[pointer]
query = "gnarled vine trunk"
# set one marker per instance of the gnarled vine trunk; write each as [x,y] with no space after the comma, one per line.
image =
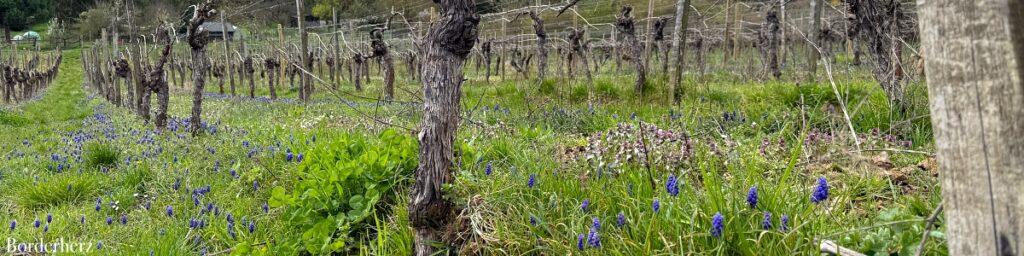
[197,41]
[445,49]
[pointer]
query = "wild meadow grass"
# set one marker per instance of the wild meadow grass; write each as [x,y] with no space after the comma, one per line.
[738,167]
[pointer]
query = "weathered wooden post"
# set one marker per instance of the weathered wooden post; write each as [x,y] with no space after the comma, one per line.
[975,75]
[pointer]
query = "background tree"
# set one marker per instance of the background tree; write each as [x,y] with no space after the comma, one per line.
[21,14]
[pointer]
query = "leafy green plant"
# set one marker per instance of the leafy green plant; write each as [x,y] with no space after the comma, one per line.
[341,183]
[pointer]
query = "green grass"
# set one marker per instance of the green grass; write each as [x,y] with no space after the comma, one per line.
[521,128]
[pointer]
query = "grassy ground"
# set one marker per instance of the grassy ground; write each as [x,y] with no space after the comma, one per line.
[530,157]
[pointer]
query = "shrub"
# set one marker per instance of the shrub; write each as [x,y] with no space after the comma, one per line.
[341,182]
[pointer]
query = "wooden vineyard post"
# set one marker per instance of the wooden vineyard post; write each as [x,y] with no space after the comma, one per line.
[227,54]
[975,76]
[306,62]
[284,59]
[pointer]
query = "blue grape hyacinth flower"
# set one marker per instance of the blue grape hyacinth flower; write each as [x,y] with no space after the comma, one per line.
[752,197]
[621,220]
[784,223]
[531,181]
[820,191]
[672,185]
[579,242]
[766,224]
[656,205]
[594,239]
[717,225]
[584,205]
[489,169]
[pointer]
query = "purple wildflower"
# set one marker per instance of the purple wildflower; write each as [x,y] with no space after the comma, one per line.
[488,169]
[596,223]
[124,219]
[593,239]
[672,185]
[99,245]
[266,208]
[585,204]
[752,197]
[784,223]
[533,221]
[110,220]
[717,224]
[531,181]
[579,242]
[252,227]
[821,191]
[766,224]
[36,223]
[14,224]
[49,218]
[656,205]
[621,220]
[170,211]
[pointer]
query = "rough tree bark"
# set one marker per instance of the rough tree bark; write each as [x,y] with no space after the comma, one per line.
[447,44]
[678,41]
[380,50]
[975,76]
[768,43]
[155,83]
[227,57]
[307,63]
[197,40]
[812,54]
[250,72]
[271,65]
[485,49]
[542,45]
[625,25]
